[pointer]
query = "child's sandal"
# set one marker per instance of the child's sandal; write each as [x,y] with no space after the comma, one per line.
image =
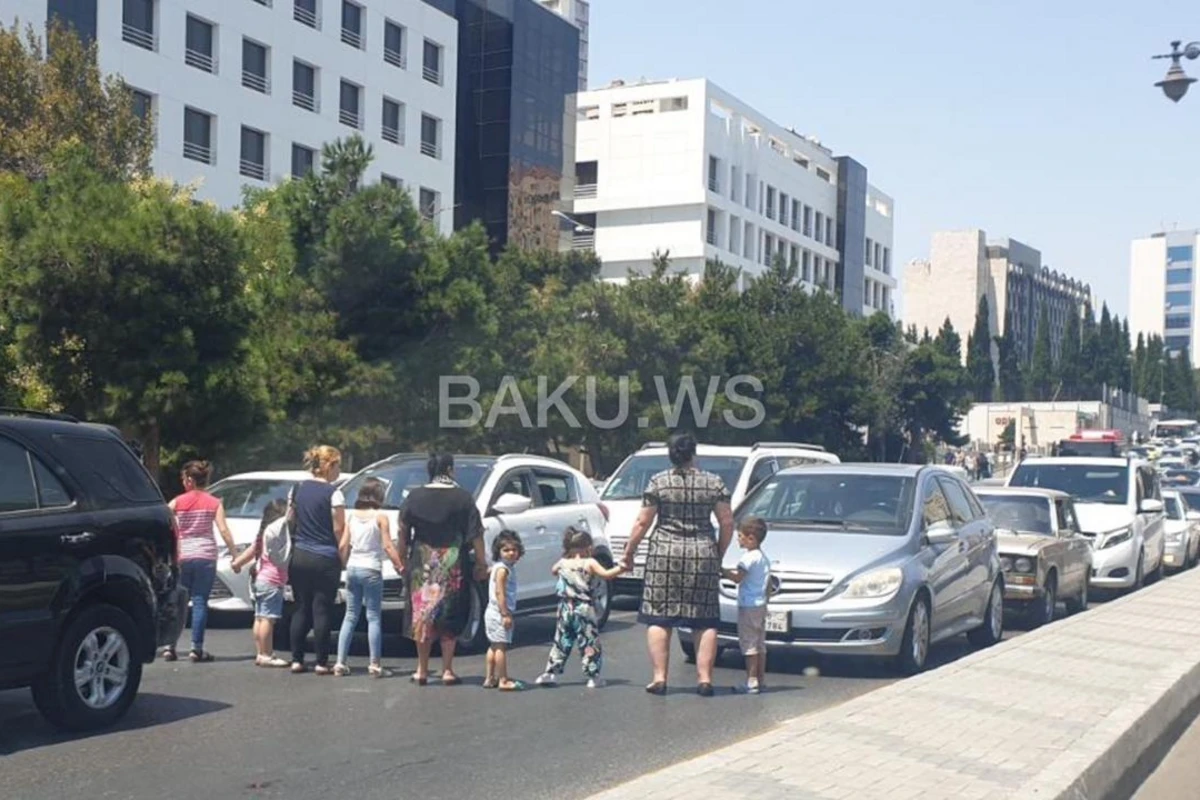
[513,686]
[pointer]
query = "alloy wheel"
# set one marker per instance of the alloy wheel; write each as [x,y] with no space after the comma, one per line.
[101,668]
[920,634]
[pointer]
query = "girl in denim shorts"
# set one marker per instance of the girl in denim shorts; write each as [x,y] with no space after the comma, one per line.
[267,580]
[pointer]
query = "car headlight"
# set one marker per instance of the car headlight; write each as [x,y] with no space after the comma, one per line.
[1116,537]
[1025,565]
[1006,563]
[1175,536]
[877,584]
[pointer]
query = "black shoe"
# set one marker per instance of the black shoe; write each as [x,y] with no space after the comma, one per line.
[658,688]
[704,690]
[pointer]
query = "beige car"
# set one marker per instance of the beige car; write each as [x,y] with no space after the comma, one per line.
[1044,555]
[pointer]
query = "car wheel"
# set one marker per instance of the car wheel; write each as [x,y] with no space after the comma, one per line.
[603,594]
[1159,571]
[1139,577]
[94,675]
[1043,612]
[1079,603]
[474,635]
[689,650]
[992,628]
[914,645]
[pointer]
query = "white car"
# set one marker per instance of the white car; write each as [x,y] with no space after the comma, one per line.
[1119,505]
[1183,532]
[536,496]
[245,497]
[741,468]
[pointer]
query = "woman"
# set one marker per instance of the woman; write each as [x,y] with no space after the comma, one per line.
[441,522]
[318,516]
[196,513]
[684,561]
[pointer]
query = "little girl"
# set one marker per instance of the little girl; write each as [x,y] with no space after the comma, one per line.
[267,580]
[507,550]
[577,572]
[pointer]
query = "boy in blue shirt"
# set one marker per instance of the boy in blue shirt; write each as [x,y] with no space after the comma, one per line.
[752,574]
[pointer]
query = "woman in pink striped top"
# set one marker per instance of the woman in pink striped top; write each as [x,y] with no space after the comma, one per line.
[197,512]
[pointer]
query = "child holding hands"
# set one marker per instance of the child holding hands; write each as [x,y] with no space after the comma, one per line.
[752,575]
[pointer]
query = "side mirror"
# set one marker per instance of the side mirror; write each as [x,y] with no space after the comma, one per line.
[510,504]
[940,533]
[1151,506]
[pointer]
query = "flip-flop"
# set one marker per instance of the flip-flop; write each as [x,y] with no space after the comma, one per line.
[419,680]
[201,657]
[490,684]
[514,686]
[658,688]
[453,680]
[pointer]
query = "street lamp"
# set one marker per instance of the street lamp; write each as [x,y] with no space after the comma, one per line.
[1175,84]
[579,226]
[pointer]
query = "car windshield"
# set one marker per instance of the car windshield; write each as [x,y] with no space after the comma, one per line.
[1100,448]
[248,498]
[1024,514]
[1087,483]
[401,477]
[1174,510]
[1184,477]
[630,480]
[878,504]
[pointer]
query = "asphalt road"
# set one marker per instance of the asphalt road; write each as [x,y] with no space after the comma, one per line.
[229,730]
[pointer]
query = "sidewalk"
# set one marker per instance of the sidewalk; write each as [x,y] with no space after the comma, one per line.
[1063,711]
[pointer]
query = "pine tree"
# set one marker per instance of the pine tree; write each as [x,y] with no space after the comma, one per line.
[1041,367]
[1010,376]
[980,372]
[1139,367]
[1089,354]
[1068,371]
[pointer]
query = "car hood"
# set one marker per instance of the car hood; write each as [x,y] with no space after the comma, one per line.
[1175,525]
[1020,544]
[838,554]
[1102,517]
[244,530]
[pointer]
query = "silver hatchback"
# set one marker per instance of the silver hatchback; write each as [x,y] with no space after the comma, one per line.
[880,560]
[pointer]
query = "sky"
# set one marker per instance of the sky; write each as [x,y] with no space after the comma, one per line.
[1038,121]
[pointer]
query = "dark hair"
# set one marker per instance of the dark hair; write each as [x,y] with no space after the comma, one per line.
[371,494]
[507,537]
[439,464]
[754,526]
[274,510]
[681,448]
[199,472]
[575,539]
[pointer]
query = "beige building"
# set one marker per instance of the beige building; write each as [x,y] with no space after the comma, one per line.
[963,266]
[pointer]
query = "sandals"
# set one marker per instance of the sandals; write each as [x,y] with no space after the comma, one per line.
[321,669]
[200,657]
[269,661]
[491,683]
[704,689]
[378,671]
[452,680]
[419,680]
[168,654]
[298,668]
[339,670]
[658,688]
[513,686]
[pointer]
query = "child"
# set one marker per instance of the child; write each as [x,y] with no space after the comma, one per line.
[507,550]
[577,572]
[752,575]
[266,585]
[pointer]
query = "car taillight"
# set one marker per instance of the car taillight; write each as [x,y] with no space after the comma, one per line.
[603,510]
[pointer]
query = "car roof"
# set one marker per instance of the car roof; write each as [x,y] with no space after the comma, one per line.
[269,475]
[858,468]
[1020,491]
[745,451]
[1089,461]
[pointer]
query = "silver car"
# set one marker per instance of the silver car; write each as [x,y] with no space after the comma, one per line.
[1183,532]
[879,560]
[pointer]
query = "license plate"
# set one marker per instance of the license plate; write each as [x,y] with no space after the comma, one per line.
[1169,559]
[638,572]
[778,622]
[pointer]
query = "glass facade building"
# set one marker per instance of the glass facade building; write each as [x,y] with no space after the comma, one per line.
[77,14]
[851,232]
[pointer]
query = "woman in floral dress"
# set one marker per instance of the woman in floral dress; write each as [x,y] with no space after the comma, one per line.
[439,523]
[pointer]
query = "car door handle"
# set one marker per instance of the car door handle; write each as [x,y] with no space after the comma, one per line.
[77,538]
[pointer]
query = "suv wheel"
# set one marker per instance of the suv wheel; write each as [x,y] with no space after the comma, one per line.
[94,675]
[689,650]
[992,628]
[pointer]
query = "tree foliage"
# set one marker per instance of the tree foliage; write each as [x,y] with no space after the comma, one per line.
[982,374]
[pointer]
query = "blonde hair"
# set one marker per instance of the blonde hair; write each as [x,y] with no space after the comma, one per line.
[319,459]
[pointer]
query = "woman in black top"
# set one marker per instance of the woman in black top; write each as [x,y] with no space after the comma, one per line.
[683,566]
[441,521]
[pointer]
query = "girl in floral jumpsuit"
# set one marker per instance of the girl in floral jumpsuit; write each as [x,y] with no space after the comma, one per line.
[577,572]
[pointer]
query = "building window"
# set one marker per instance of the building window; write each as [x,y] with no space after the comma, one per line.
[735,235]
[785,204]
[254,67]
[1179,299]
[388,180]
[393,44]
[254,154]
[432,64]
[428,202]
[770,202]
[820,225]
[305,12]
[198,51]
[751,190]
[1179,253]
[823,175]
[1177,343]
[352,24]
[748,241]
[673,104]
[868,252]
[137,23]
[393,121]
[710,233]
[806,266]
[768,249]
[867,297]
[304,86]
[431,136]
[714,182]
[800,160]
[829,239]
[350,105]
[887,261]
[587,179]
[808,214]
[794,257]
[878,256]
[885,301]
[734,183]
[1179,275]
[143,104]
[1178,321]
[796,215]
[197,136]
[303,160]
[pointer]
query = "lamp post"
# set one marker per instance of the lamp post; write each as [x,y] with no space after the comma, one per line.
[579,226]
[1175,84]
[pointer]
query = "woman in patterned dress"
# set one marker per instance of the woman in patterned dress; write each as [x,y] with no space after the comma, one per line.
[684,561]
[442,522]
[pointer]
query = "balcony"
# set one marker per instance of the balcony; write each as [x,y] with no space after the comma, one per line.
[138,37]
[432,74]
[393,135]
[348,117]
[584,241]
[395,58]
[431,149]
[253,169]
[197,152]
[305,17]
[304,100]
[352,38]
[585,191]
[256,82]
[199,60]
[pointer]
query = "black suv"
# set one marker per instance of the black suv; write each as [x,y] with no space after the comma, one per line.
[89,574]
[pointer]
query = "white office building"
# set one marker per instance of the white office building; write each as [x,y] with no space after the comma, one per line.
[1163,287]
[575,11]
[245,92]
[685,168]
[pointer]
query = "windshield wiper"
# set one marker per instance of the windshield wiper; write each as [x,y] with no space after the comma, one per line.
[830,523]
